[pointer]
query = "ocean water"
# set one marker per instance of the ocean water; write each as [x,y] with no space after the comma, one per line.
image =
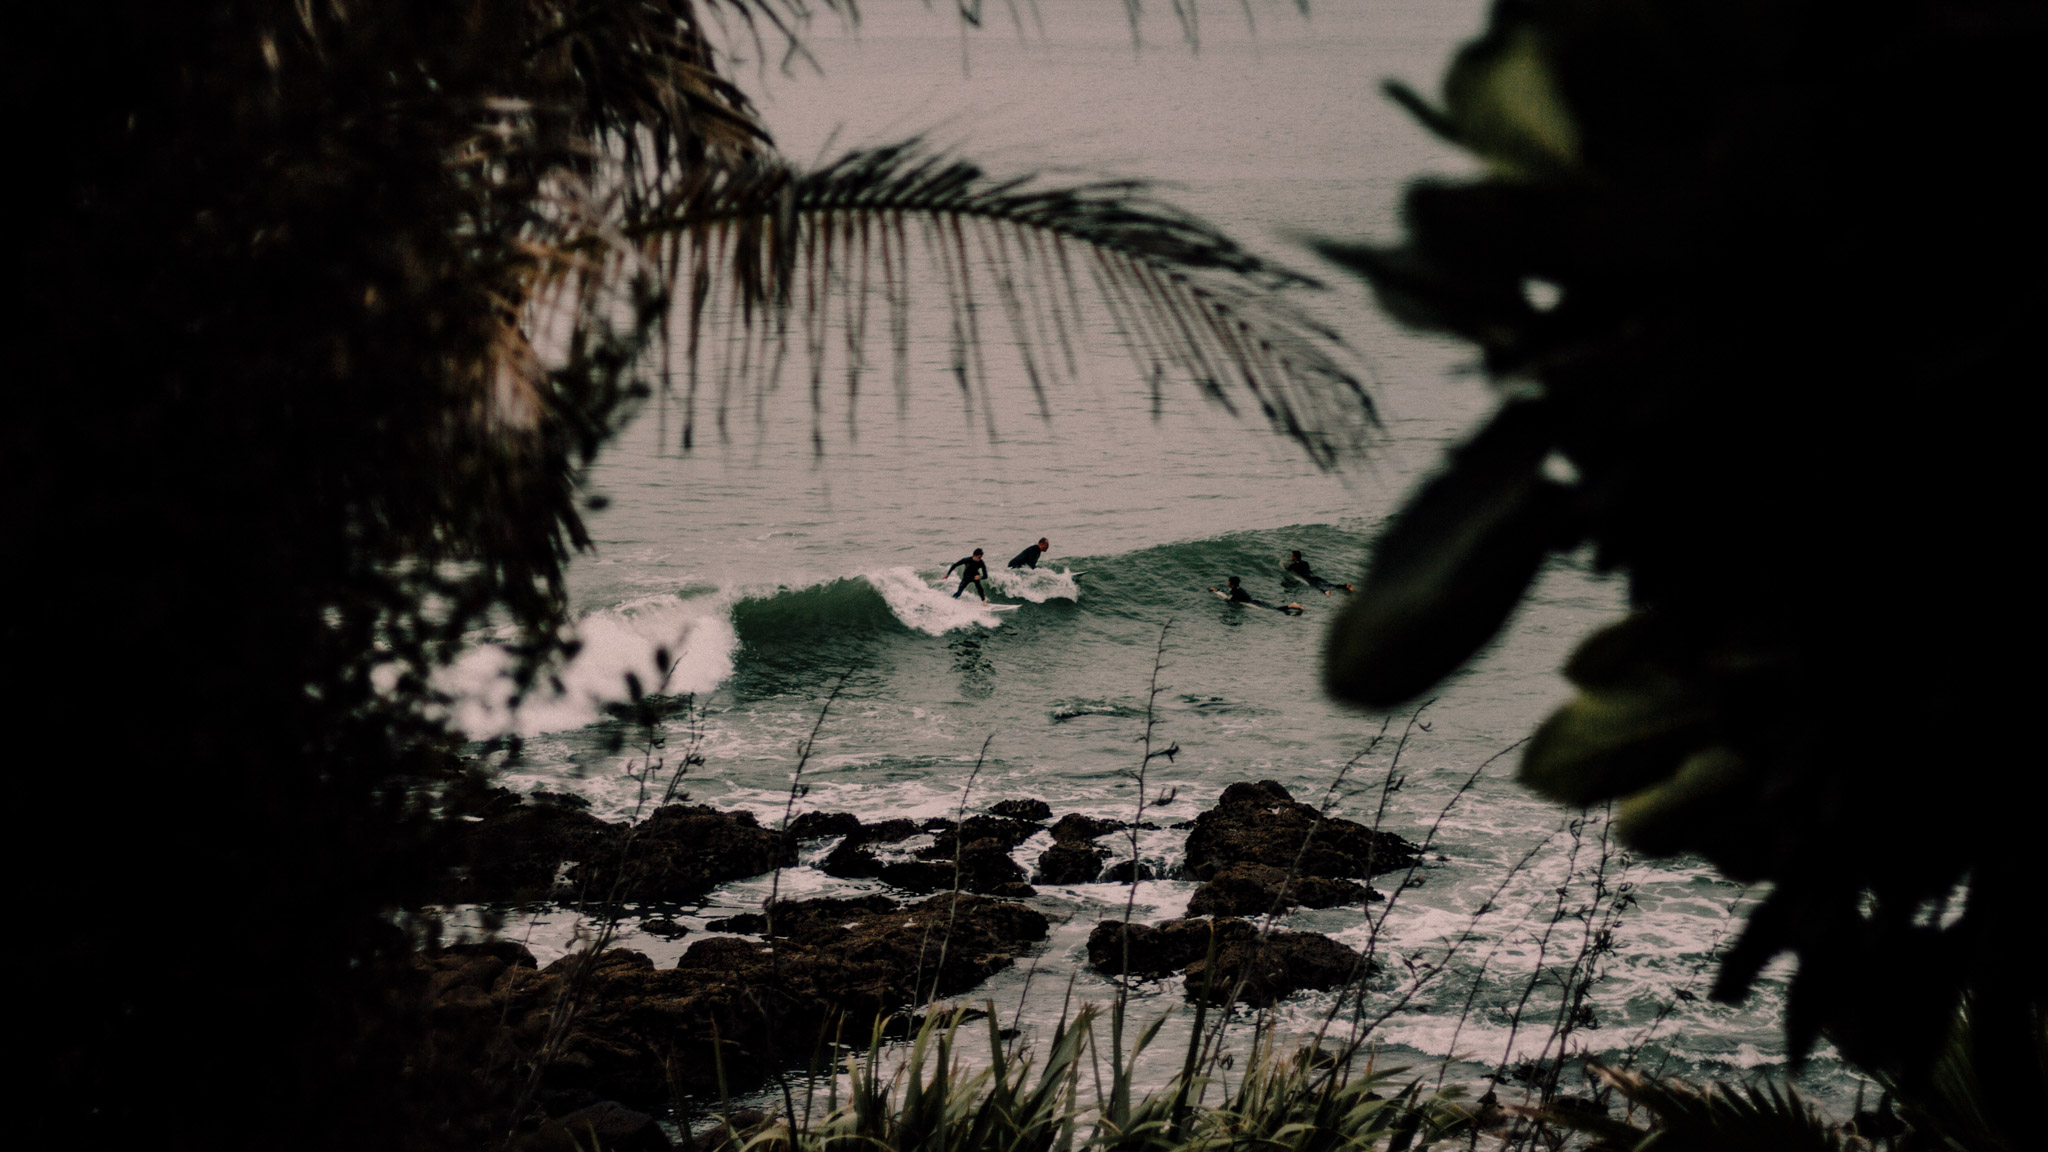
[776,575]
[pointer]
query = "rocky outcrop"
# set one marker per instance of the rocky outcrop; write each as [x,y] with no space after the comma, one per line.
[638,1033]
[1258,889]
[819,825]
[984,866]
[679,853]
[1033,811]
[1255,968]
[554,851]
[1071,862]
[851,859]
[975,829]
[1262,824]
[1074,826]
[795,916]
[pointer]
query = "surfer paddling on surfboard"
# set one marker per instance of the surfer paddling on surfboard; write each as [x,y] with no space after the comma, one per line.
[972,569]
[1028,558]
[1298,568]
[1237,595]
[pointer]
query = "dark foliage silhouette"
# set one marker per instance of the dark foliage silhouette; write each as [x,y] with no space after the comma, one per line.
[1758,283]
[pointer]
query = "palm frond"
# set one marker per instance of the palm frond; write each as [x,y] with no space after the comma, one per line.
[784,259]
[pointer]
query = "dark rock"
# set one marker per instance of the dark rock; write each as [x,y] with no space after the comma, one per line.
[683,851]
[1074,826]
[1035,811]
[517,853]
[1120,872]
[615,1128]
[471,792]
[1014,890]
[891,831]
[1009,833]
[818,825]
[1261,824]
[1257,889]
[1260,969]
[985,865]
[1071,862]
[851,861]
[561,799]
[677,854]
[640,1028]
[798,918]
[664,927]
[510,951]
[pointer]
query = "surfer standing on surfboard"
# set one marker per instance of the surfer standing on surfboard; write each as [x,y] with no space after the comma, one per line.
[1237,595]
[972,569]
[1028,558]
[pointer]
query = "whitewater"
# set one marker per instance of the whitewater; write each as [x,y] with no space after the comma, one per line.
[754,579]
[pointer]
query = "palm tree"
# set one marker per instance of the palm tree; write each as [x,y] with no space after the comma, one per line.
[322,307]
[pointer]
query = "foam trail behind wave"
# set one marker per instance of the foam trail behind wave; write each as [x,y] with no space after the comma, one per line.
[695,630]
[1035,584]
[930,610]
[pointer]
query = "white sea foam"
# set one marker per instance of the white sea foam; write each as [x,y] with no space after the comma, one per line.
[930,610]
[1035,584]
[695,631]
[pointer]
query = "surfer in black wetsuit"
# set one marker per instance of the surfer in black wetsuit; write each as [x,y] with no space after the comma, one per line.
[1237,595]
[972,569]
[1028,558]
[1298,568]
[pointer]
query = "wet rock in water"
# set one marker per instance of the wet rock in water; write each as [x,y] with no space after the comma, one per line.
[606,1124]
[1071,862]
[1009,833]
[682,851]
[1120,872]
[640,1030]
[985,866]
[1256,889]
[888,831]
[518,853]
[818,825]
[1032,811]
[1258,969]
[1074,826]
[793,917]
[1262,824]
[560,799]
[851,861]
[663,927]
[677,854]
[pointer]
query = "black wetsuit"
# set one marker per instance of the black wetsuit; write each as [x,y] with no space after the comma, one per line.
[1299,569]
[1238,595]
[972,569]
[1028,558]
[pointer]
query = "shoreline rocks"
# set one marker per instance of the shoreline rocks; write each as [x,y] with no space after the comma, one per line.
[1258,835]
[1271,966]
[639,1034]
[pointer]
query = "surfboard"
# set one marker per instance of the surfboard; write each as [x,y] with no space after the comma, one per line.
[1004,607]
[1284,609]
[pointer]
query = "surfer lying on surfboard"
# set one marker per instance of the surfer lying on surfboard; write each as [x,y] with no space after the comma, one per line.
[1298,568]
[1237,595]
